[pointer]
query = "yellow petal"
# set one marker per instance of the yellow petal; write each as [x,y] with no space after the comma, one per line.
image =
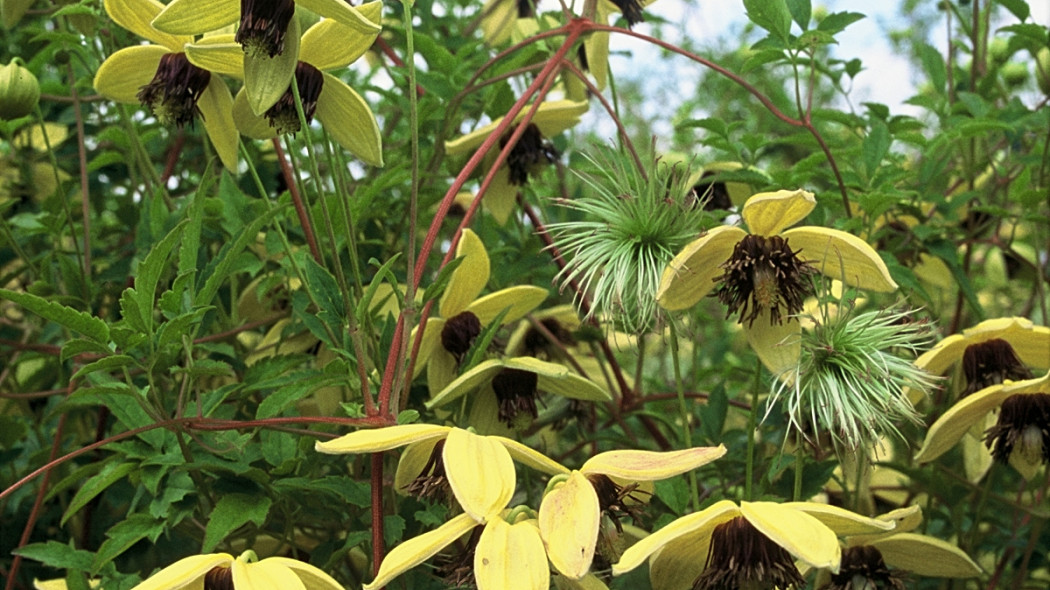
[469,278]
[778,346]
[431,341]
[311,577]
[226,58]
[551,118]
[416,550]
[691,274]
[441,370]
[1030,342]
[511,557]
[191,17]
[977,459]
[588,582]
[264,575]
[680,563]
[574,386]
[800,534]
[633,465]
[411,464]
[348,119]
[330,44]
[706,519]
[954,423]
[480,471]
[768,214]
[497,20]
[597,47]
[467,382]
[841,256]
[125,72]
[842,521]
[216,106]
[568,520]
[344,13]
[381,439]
[135,16]
[926,556]
[484,414]
[266,79]
[500,199]
[518,301]
[531,458]
[185,571]
[248,123]
[12,11]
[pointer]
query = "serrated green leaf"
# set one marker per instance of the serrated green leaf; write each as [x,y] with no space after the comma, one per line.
[801,11]
[123,535]
[1018,8]
[191,236]
[436,288]
[80,346]
[109,363]
[230,513]
[57,555]
[149,271]
[383,274]
[876,146]
[77,321]
[771,15]
[407,417]
[323,287]
[761,58]
[131,312]
[223,263]
[302,386]
[933,65]
[836,22]
[174,329]
[110,474]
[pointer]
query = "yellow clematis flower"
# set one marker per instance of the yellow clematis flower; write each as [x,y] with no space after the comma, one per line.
[1020,436]
[570,517]
[764,273]
[531,151]
[868,558]
[511,384]
[327,45]
[221,570]
[461,314]
[268,33]
[478,470]
[730,545]
[160,77]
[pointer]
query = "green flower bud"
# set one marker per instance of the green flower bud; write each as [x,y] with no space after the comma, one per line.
[19,90]
[1042,69]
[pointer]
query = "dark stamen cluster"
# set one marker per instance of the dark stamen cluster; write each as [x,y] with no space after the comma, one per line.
[713,195]
[1023,419]
[632,11]
[862,568]
[459,333]
[530,151]
[264,24]
[612,499]
[990,363]
[527,8]
[282,115]
[173,93]
[764,274]
[516,394]
[431,483]
[742,557]
[219,578]
[457,569]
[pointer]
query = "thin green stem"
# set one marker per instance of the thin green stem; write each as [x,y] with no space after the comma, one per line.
[752,426]
[683,410]
[796,494]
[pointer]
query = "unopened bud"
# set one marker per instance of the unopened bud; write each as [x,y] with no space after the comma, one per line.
[1042,70]
[19,90]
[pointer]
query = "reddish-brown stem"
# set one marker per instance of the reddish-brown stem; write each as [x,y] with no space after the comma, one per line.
[297,200]
[173,156]
[34,513]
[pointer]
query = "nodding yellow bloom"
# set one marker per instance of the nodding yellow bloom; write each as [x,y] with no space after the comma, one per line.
[268,34]
[731,546]
[571,514]
[507,550]
[1020,435]
[531,152]
[871,557]
[325,46]
[221,570]
[160,77]
[764,274]
[462,314]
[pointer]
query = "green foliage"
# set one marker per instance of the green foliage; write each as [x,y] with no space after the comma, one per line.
[176,333]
